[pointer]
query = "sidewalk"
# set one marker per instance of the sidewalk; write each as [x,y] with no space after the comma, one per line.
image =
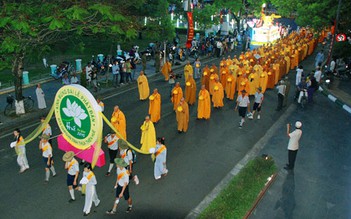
[50,86]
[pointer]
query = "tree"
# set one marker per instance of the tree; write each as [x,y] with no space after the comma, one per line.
[34,26]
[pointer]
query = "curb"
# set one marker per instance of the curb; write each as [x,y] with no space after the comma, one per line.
[255,150]
[35,82]
[334,99]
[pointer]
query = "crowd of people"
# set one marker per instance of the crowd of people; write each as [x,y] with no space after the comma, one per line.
[249,74]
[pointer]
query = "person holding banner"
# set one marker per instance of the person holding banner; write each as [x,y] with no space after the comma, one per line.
[46,149]
[112,143]
[160,154]
[20,148]
[72,167]
[89,180]
[121,186]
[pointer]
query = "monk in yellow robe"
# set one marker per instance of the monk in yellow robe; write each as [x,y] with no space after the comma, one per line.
[118,120]
[166,69]
[188,69]
[205,80]
[218,95]
[213,78]
[263,81]
[230,86]
[253,82]
[244,84]
[155,106]
[287,59]
[223,75]
[190,90]
[215,69]
[204,104]
[177,94]
[143,86]
[148,135]
[182,116]
[271,78]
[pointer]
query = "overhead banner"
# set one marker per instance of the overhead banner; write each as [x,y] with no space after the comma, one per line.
[191,31]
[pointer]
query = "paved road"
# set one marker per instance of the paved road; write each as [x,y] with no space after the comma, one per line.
[197,161]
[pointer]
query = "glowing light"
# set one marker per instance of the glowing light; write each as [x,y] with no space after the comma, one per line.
[172,16]
[145,20]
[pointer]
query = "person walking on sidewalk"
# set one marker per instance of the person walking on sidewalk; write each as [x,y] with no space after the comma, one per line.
[89,180]
[48,159]
[20,148]
[112,143]
[243,103]
[121,186]
[72,167]
[40,97]
[293,145]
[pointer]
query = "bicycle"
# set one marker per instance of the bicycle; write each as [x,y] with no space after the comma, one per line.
[10,108]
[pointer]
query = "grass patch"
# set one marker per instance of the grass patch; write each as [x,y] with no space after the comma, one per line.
[238,197]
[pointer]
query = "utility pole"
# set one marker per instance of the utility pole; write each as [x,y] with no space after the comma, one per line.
[331,51]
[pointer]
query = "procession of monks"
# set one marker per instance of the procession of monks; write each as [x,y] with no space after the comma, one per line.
[260,68]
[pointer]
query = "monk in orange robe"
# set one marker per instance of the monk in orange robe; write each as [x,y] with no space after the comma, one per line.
[182,116]
[155,106]
[177,94]
[205,80]
[263,81]
[218,95]
[188,69]
[166,69]
[230,86]
[204,104]
[213,78]
[253,82]
[143,86]
[223,75]
[190,90]
[118,120]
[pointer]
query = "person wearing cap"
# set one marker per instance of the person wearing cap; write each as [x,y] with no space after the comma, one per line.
[72,167]
[258,103]
[48,159]
[155,106]
[182,116]
[148,134]
[118,121]
[89,180]
[121,186]
[204,104]
[143,86]
[281,92]
[177,94]
[190,90]
[242,105]
[217,95]
[160,155]
[293,145]
[127,155]
[112,143]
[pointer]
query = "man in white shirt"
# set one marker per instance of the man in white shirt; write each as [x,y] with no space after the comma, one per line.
[293,146]
[243,102]
[299,72]
[72,167]
[112,143]
[318,74]
[281,93]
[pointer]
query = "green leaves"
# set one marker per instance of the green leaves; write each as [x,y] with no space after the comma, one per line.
[56,24]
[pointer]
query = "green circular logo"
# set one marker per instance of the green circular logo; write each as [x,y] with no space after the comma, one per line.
[77,116]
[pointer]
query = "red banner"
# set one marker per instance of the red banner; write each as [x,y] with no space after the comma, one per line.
[191,32]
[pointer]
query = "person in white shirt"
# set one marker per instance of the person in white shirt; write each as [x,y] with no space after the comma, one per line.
[48,159]
[332,66]
[318,74]
[281,93]
[72,167]
[159,153]
[243,103]
[258,103]
[74,79]
[20,148]
[299,72]
[293,145]
[121,186]
[112,143]
[89,180]
[127,155]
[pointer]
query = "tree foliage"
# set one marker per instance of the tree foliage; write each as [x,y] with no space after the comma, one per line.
[28,27]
